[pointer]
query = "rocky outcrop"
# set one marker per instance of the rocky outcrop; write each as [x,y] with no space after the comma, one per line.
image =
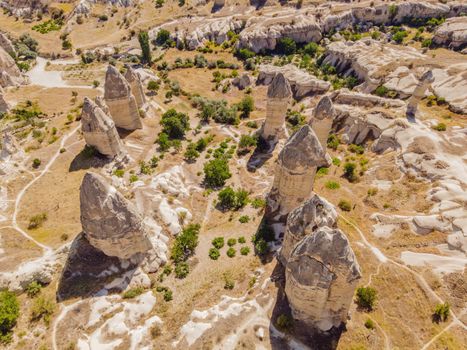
[278,97]
[242,82]
[316,212]
[452,33]
[263,33]
[10,153]
[6,45]
[136,87]
[295,172]
[10,75]
[451,84]
[24,8]
[320,279]
[4,106]
[110,222]
[99,130]
[322,120]
[302,83]
[122,104]
[419,92]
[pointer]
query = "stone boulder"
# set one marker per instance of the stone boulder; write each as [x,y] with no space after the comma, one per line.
[122,103]
[321,276]
[316,212]
[452,33]
[295,172]
[99,130]
[302,83]
[111,223]
[242,82]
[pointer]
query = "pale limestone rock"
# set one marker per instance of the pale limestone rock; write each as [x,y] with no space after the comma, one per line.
[322,119]
[99,130]
[4,105]
[451,84]
[278,97]
[262,33]
[321,276]
[419,92]
[122,104]
[10,147]
[295,172]
[452,33]
[110,222]
[10,75]
[136,87]
[315,212]
[302,83]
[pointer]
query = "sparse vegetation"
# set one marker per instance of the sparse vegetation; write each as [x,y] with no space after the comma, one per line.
[231,252]
[214,253]
[366,297]
[218,242]
[37,220]
[441,312]
[332,185]
[42,308]
[244,250]
[345,205]
[33,289]
[133,293]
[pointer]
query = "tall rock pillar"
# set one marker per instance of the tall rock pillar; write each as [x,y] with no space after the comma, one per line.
[122,104]
[322,119]
[279,93]
[295,173]
[136,87]
[419,92]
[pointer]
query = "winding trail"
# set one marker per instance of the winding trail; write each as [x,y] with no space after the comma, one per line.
[19,197]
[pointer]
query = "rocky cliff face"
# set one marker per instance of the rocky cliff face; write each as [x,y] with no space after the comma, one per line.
[99,130]
[295,172]
[10,75]
[279,94]
[110,222]
[321,276]
[452,33]
[6,44]
[122,104]
[136,87]
[301,82]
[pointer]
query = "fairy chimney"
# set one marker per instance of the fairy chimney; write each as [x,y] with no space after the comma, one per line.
[136,87]
[322,119]
[419,92]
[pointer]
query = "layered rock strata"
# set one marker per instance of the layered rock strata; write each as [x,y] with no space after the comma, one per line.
[278,97]
[320,279]
[301,82]
[99,130]
[419,92]
[110,222]
[295,172]
[322,119]
[122,103]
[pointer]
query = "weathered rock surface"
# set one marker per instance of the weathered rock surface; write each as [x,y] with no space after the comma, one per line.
[452,33]
[419,92]
[263,33]
[302,83]
[122,104]
[321,276]
[451,84]
[279,94]
[322,120]
[110,222]
[136,87]
[242,82]
[99,130]
[315,212]
[4,105]
[6,44]
[295,172]
[10,75]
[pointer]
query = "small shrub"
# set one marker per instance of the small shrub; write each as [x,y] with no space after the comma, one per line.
[216,172]
[181,270]
[133,293]
[322,171]
[168,295]
[119,172]
[33,289]
[231,242]
[349,171]
[241,240]
[440,127]
[244,219]
[36,163]
[258,203]
[36,221]
[332,185]
[358,149]
[336,161]
[214,253]
[42,309]
[245,251]
[218,242]
[369,324]
[366,297]
[185,243]
[333,141]
[231,252]
[441,312]
[9,313]
[344,205]
[284,322]
[229,283]
[133,178]
[372,191]
[381,91]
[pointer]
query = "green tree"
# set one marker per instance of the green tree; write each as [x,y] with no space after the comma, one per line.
[311,49]
[174,124]
[441,312]
[246,106]
[9,313]
[185,243]
[163,38]
[216,172]
[366,297]
[191,153]
[227,198]
[349,171]
[286,46]
[143,39]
